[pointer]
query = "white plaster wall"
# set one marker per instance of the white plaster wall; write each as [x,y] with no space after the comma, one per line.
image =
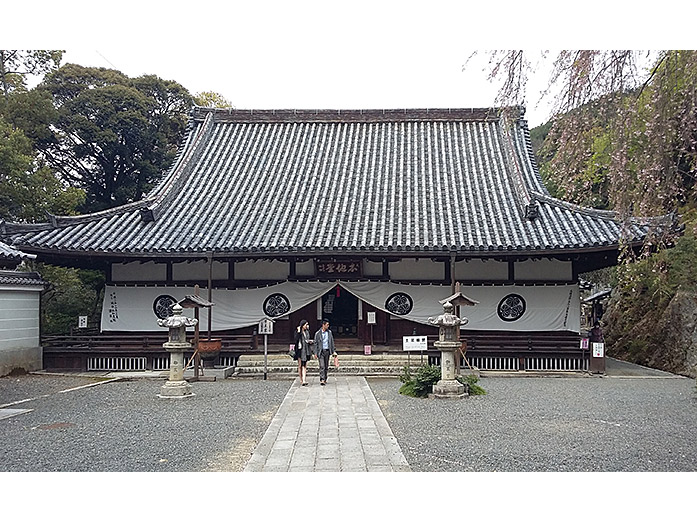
[136,271]
[411,269]
[19,330]
[198,270]
[371,268]
[543,269]
[481,270]
[19,319]
[261,270]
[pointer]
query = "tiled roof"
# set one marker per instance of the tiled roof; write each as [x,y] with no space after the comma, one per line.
[8,253]
[20,278]
[318,182]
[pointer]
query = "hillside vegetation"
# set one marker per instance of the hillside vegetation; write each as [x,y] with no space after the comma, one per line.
[635,152]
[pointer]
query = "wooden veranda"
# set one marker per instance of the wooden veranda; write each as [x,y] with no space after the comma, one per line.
[486,350]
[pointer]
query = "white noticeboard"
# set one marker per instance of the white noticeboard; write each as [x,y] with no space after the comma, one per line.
[266,326]
[371,318]
[82,322]
[414,343]
[598,349]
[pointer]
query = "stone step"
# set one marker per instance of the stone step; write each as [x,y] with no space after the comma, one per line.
[374,364]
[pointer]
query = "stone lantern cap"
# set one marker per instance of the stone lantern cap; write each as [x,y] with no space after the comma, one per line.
[458,298]
[177,320]
[191,301]
[447,319]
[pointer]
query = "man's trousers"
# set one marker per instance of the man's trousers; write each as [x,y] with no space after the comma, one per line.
[323,364]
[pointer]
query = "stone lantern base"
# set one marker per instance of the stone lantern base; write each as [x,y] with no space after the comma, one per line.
[449,389]
[176,386]
[448,386]
[175,389]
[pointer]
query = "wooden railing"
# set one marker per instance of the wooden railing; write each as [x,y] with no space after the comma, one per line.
[501,348]
[137,341]
[71,352]
[521,351]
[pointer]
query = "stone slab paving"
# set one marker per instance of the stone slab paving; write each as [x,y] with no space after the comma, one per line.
[334,428]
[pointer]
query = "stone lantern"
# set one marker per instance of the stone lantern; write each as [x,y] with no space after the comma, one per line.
[448,342]
[176,386]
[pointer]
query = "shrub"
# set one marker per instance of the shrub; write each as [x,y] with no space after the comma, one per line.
[470,382]
[420,385]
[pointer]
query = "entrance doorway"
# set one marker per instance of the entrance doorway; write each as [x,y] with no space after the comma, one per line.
[340,307]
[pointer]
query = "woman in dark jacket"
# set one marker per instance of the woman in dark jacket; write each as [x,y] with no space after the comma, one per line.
[302,349]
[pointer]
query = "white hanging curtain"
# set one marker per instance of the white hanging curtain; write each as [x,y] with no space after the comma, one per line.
[136,308]
[500,307]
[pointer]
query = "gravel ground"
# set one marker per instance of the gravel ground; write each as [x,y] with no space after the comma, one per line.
[26,386]
[549,424]
[522,424]
[125,426]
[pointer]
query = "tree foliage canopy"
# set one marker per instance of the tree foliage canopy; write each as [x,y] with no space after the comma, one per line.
[16,65]
[622,136]
[212,99]
[110,135]
[28,188]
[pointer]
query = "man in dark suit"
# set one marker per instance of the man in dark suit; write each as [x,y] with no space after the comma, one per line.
[324,348]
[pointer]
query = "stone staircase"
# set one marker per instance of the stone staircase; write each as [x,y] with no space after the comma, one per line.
[282,365]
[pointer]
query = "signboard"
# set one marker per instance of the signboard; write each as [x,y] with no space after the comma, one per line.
[266,326]
[584,343]
[338,268]
[414,343]
[598,350]
[367,349]
[82,322]
[371,318]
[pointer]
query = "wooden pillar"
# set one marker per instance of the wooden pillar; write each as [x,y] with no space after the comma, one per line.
[210,291]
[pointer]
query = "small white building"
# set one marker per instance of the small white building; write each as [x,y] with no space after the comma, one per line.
[20,299]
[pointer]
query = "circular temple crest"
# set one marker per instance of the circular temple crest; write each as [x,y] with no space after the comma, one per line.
[276,305]
[399,303]
[162,306]
[511,308]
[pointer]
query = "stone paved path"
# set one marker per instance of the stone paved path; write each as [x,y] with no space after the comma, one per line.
[334,428]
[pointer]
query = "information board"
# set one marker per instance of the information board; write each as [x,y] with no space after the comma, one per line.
[414,343]
[266,326]
[598,350]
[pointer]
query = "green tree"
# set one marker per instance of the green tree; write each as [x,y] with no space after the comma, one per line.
[27,191]
[625,137]
[112,136]
[28,188]
[623,134]
[16,65]
[72,293]
[212,99]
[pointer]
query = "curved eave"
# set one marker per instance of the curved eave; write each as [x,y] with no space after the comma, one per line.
[313,253]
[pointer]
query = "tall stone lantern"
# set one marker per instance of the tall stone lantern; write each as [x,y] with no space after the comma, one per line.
[176,386]
[448,342]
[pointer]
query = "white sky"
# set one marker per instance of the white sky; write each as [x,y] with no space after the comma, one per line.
[310,54]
